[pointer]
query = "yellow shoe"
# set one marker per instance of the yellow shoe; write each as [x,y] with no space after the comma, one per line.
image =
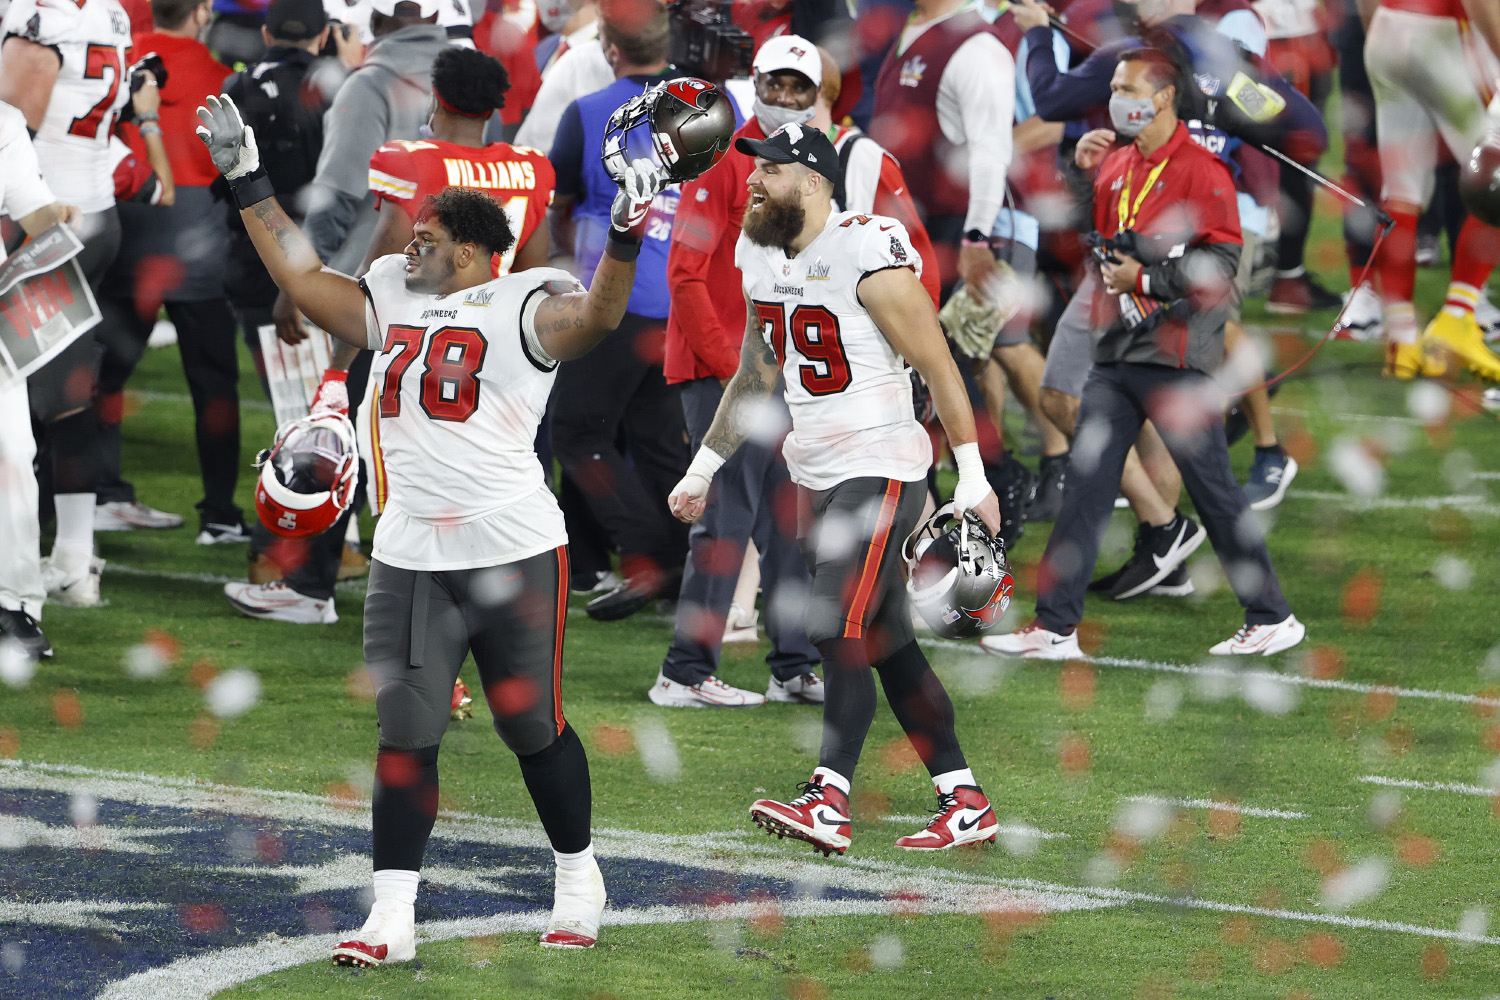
[1461,337]
[353,564]
[1407,361]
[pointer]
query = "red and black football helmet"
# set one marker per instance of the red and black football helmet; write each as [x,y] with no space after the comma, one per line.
[685,124]
[307,476]
[957,575]
[1479,180]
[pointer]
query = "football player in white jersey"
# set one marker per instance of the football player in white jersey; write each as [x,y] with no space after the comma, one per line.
[470,554]
[62,64]
[836,307]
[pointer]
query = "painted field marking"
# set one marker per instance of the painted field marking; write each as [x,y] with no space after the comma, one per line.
[1234,807]
[1430,786]
[1233,673]
[1292,411]
[1466,504]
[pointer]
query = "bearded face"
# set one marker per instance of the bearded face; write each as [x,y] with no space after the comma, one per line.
[773,220]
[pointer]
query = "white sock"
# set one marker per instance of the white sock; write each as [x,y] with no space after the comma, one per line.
[1401,323]
[825,776]
[949,780]
[396,885]
[74,542]
[580,862]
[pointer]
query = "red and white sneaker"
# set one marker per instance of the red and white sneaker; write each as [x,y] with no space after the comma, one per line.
[577,908]
[1033,642]
[964,816]
[1262,640]
[708,693]
[278,602]
[389,935]
[820,816]
[463,705]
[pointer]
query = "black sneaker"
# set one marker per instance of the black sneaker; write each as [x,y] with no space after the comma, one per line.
[218,533]
[23,629]
[1158,551]
[633,595]
[1175,584]
[1015,486]
[1049,489]
[1107,582]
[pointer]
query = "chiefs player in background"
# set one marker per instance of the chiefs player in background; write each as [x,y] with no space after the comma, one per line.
[471,553]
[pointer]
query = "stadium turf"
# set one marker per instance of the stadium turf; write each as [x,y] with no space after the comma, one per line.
[1174,827]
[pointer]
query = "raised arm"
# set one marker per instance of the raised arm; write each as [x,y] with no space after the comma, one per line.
[753,381]
[330,299]
[569,326]
[898,304]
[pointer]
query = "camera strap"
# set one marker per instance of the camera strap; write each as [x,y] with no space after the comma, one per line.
[1128,212]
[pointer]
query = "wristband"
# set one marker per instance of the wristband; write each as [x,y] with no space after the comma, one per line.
[621,247]
[148,116]
[705,463]
[970,465]
[251,189]
[335,375]
[149,129]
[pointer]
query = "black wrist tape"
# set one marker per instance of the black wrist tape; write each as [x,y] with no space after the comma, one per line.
[621,246]
[252,188]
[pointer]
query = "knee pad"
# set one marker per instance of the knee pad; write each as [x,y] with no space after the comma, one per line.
[407,722]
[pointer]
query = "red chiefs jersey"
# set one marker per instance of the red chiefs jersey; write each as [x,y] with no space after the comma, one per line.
[405,172]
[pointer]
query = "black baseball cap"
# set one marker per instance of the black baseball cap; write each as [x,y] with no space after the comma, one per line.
[296,20]
[795,143]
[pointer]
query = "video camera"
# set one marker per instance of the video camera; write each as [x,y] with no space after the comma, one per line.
[706,42]
[136,74]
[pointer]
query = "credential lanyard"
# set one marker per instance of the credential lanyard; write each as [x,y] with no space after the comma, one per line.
[1128,212]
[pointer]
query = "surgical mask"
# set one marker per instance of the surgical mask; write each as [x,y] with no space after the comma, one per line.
[773,116]
[1131,114]
[555,15]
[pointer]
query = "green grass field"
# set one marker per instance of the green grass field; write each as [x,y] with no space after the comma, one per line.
[1183,900]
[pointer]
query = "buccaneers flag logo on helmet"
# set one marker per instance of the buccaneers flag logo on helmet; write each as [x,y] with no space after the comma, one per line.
[684,124]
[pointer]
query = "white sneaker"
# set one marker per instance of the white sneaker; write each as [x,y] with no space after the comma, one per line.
[73,587]
[1033,642]
[603,584]
[1491,399]
[389,935]
[129,515]
[1263,640]
[740,625]
[577,908]
[711,693]
[1364,319]
[216,533]
[806,690]
[1488,317]
[279,603]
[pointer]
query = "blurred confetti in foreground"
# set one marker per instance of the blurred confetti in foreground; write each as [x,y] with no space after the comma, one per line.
[1357,884]
[232,693]
[657,749]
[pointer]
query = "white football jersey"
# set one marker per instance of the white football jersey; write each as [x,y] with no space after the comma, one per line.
[848,390]
[92,38]
[460,397]
[22,190]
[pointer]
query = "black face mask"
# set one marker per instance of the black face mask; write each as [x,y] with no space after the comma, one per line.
[1128,16]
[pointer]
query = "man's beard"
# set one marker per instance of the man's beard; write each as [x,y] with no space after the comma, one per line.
[419,281]
[776,223]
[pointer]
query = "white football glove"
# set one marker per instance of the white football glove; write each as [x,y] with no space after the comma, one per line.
[972,486]
[639,186]
[230,142]
[689,497]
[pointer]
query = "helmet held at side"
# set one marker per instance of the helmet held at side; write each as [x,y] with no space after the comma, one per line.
[307,476]
[957,575]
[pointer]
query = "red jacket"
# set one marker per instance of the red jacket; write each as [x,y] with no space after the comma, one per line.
[706,324]
[192,74]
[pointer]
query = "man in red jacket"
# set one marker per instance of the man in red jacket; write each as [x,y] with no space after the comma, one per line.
[752,496]
[175,255]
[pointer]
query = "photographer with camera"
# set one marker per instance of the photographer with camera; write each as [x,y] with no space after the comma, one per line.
[1166,248]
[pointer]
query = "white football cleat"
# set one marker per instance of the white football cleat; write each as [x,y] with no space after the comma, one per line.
[72,586]
[1262,640]
[1364,317]
[389,935]
[1033,642]
[740,625]
[806,689]
[277,602]
[130,515]
[577,908]
[964,816]
[710,693]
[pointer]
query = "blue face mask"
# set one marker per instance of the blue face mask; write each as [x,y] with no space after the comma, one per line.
[1130,114]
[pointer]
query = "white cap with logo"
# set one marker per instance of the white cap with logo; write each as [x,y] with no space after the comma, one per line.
[423,8]
[784,52]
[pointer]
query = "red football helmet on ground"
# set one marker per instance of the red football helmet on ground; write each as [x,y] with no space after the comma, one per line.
[685,124]
[307,476]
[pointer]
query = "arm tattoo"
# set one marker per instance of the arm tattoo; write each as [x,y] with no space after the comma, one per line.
[754,380]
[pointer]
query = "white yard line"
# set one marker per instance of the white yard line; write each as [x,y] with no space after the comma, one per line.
[1218,806]
[1467,504]
[1430,786]
[1379,418]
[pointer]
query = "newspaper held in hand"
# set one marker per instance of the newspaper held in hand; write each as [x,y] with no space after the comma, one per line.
[45,303]
[293,371]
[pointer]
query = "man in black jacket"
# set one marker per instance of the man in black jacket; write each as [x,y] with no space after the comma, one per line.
[1168,234]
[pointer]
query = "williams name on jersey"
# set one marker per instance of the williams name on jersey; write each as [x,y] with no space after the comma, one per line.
[848,389]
